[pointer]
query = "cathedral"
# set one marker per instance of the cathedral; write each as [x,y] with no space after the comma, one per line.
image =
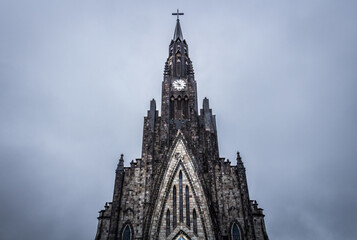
[180,188]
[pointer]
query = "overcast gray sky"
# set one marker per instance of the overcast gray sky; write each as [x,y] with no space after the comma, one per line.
[76,78]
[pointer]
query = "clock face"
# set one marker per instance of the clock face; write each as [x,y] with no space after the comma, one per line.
[179,84]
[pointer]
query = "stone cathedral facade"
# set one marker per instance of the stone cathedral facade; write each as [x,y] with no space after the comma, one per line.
[180,188]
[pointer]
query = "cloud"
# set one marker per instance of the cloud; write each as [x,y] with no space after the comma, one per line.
[77,77]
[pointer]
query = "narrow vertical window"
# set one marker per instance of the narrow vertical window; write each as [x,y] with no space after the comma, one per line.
[172,107]
[127,233]
[167,222]
[179,103]
[194,216]
[178,67]
[185,107]
[235,232]
[179,107]
[174,214]
[181,196]
[187,206]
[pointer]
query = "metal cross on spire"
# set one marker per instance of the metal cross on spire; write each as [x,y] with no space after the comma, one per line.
[177,14]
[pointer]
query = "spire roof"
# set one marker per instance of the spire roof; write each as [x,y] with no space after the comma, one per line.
[240,164]
[120,166]
[178,31]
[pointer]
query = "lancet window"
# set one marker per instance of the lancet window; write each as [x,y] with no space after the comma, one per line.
[185,107]
[194,216]
[178,66]
[179,103]
[167,222]
[187,193]
[127,233]
[235,232]
[174,214]
[172,102]
[181,196]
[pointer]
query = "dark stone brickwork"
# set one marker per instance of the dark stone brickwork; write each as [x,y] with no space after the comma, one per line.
[184,140]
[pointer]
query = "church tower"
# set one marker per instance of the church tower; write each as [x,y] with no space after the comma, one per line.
[180,188]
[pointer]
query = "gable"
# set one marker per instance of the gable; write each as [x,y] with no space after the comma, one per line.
[180,176]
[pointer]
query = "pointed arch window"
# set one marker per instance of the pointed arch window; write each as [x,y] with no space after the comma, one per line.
[127,233]
[167,222]
[172,112]
[235,232]
[179,103]
[178,66]
[194,216]
[174,214]
[181,196]
[187,193]
[185,107]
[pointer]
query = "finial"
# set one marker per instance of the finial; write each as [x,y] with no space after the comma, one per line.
[153,105]
[121,163]
[205,103]
[239,161]
[178,14]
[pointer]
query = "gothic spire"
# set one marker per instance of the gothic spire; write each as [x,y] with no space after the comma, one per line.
[240,164]
[178,31]
[120,166]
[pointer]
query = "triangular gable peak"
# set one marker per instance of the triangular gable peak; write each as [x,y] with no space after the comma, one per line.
[182,185]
